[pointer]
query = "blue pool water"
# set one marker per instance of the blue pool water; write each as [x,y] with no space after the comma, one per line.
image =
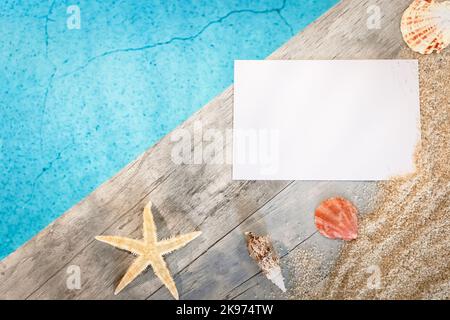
[76,105]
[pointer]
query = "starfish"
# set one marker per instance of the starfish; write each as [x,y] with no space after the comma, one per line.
[150,251]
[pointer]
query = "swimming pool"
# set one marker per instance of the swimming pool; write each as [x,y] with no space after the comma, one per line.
[83,95]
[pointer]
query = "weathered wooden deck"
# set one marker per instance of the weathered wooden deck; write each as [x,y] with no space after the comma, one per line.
[203,197]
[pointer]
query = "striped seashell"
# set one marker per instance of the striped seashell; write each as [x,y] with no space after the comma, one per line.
[425,26]
[336,218]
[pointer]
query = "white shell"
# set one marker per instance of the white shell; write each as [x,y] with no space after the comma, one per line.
[276,277]
[425,26]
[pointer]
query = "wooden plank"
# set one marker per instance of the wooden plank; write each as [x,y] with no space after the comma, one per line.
[196,183]
[342,33]
[305,269]
[288,219]
[188,196]
[215,217]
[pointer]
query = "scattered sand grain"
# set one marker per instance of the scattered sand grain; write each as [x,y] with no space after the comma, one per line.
[408,236]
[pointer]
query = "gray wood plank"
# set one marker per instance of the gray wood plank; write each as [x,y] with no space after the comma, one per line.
[103,266]
[187,197]
[342,33]
[207,191]
[305,269]
[289,220]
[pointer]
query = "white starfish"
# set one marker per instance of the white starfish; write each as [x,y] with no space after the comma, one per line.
[150,251]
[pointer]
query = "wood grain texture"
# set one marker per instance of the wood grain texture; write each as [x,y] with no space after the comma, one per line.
[288,219]
[200,197]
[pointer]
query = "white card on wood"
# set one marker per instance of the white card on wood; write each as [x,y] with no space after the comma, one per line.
[325,119]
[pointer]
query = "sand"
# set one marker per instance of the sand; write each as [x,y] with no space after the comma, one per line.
[407,238]
[309,270]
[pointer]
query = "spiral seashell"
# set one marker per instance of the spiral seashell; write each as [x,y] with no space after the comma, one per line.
[261,250]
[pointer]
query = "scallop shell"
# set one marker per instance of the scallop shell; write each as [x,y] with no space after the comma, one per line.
[336,218]
[425,26]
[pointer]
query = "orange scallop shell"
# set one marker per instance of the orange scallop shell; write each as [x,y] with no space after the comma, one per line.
[425,26]
[336,218]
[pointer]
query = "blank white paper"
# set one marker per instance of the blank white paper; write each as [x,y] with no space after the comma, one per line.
[325,120]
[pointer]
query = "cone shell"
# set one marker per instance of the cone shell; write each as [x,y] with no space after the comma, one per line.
[260,248]
[425,26]
[336,218]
